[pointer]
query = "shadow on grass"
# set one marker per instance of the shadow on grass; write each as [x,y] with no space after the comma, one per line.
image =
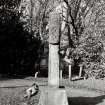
[86,100]
[9,77]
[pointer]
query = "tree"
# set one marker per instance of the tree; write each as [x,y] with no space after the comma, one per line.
[86,21]
[35,14]
[18,47]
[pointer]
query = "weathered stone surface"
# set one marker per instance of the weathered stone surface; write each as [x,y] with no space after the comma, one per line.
[53,96]
[53,79]
[54,27]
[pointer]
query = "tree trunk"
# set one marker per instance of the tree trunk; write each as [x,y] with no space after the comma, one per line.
[80,71]
[61,74]
[69,72]
[36,74]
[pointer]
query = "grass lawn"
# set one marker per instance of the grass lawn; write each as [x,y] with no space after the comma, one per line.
[92,91]
[14,96]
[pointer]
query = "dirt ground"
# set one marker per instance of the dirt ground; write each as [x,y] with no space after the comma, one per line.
[80,92]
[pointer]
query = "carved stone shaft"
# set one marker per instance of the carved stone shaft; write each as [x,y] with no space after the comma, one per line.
[54,27]
[53,80]
[54,32]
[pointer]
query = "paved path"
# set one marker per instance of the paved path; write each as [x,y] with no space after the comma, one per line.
[85,97]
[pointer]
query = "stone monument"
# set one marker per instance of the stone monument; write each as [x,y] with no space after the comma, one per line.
[53,94]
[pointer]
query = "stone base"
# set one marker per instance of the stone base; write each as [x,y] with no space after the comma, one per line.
[53,96]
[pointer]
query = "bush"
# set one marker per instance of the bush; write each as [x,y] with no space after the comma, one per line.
[18,48]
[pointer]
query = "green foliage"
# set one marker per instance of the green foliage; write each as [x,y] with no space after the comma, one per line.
[35,16]
[87,26]
[90,55]
[95,40]
[18,48]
